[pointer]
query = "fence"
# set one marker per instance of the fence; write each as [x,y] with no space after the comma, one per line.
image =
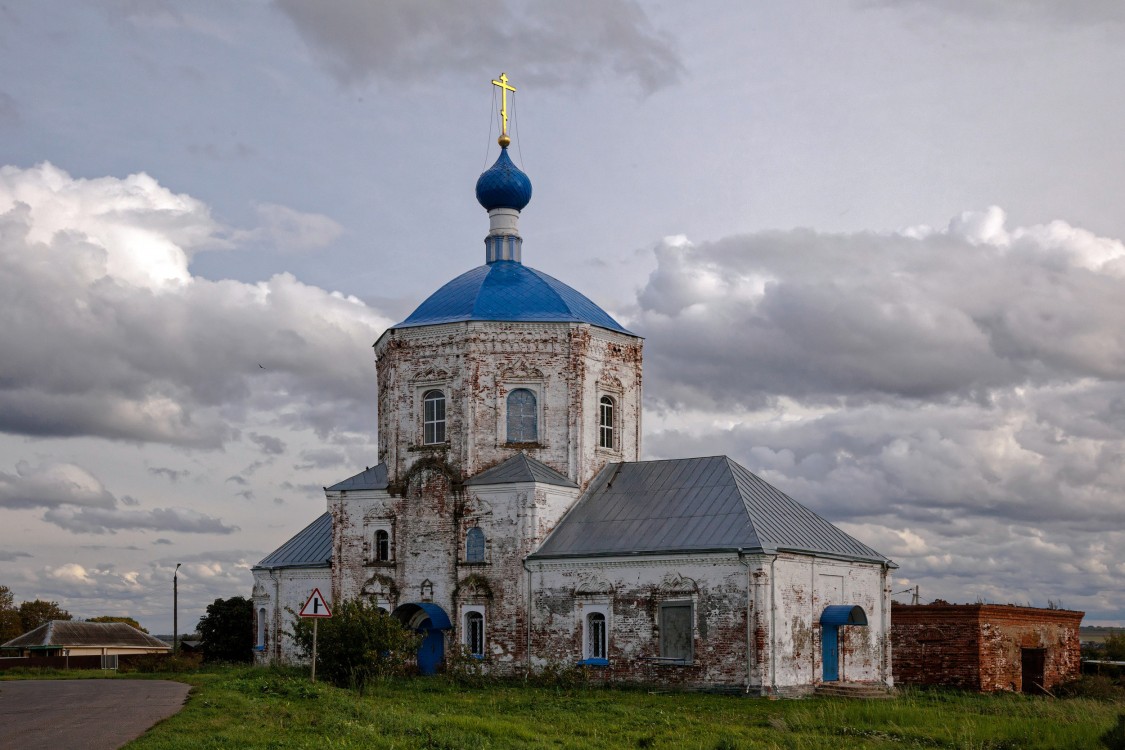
[95,661]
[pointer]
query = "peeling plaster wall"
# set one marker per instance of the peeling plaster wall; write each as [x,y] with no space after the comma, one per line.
[282,593]
[630,591]
[428,525]
[568,366]
[756,621]
[803,586]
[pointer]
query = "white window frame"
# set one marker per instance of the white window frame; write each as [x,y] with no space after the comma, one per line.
[426,422]
[587,632]
[373,528]
[376,553]
[466,634]
[614,420]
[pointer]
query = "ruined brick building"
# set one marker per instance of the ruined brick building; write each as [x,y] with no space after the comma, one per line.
[510,514]
[986,647]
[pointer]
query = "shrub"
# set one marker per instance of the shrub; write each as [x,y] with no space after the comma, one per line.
[358,644]
[1094,686]
[152,663]
[464,668]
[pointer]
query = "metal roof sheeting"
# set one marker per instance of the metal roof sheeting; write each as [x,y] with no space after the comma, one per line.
[310,548]
[692,505]
[371,478]
[75,634]
[508,291]
[521,468]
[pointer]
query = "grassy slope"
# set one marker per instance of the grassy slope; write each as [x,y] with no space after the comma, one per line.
[264,709]
[248,708]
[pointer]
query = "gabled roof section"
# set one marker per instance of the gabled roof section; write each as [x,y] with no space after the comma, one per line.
[508,291]
[371,478]
[73,634]
[310,548]
[521,468]
[692,505]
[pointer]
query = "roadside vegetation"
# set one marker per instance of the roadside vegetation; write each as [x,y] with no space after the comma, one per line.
[244,707]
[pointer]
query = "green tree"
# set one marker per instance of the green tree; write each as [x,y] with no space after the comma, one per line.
[1115,647]
[359,643]
[227,630]
[36,613]
[10,625]
[115,618]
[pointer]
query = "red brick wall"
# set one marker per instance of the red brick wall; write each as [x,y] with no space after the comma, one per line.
[979,646]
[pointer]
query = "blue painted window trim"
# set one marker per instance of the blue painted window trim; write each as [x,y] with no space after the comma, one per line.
[594,663]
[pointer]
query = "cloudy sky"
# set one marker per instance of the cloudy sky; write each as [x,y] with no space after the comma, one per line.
[875,248]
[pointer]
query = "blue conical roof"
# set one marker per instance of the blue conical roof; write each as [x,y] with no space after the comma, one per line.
[503,185]
[508,291]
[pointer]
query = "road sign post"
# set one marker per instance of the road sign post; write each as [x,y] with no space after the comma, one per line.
[315,608]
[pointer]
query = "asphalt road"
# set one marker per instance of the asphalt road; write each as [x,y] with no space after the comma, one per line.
[88,714]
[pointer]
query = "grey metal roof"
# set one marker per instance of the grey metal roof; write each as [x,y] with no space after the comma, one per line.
[521,468]
[310,548]
[371,478]
[692,505]
[74,634]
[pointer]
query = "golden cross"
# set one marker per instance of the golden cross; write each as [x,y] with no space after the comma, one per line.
[504,89]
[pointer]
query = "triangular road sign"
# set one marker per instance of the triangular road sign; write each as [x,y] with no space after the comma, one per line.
[316,606]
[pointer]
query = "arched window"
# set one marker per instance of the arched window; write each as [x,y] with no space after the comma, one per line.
[605,422]
[474,545]
[523,417]
[382,545]
[595,636]
[433,417]
[261,628]
[474,632]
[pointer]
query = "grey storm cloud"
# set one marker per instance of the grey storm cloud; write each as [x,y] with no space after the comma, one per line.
[12,555]
[109,335]
[320,458]
[1074,12]
[173,475]
[920,316]
[267,443]
[110,520]
[953,398]
[52,485]
[552,43]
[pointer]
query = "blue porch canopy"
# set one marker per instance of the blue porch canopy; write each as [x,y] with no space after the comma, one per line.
[843,614]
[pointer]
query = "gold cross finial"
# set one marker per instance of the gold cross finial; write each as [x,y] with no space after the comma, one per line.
[504,140]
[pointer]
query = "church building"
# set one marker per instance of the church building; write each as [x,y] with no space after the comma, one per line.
[510,513]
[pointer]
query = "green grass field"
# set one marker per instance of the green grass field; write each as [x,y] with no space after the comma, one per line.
[249,708]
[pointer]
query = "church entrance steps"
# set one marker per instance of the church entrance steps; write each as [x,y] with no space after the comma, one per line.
[857,690]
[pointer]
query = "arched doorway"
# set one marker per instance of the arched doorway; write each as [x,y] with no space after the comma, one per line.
[431,621]
[830,621]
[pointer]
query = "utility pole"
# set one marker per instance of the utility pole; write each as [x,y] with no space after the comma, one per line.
[176,610]
[915,594]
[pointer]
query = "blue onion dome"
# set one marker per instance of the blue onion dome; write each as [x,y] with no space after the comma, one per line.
[508,291]
[503,185]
